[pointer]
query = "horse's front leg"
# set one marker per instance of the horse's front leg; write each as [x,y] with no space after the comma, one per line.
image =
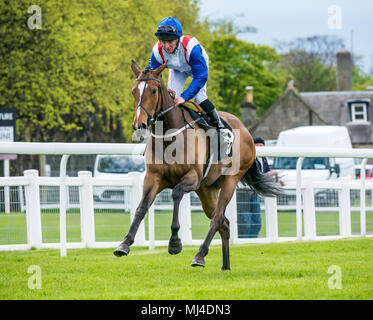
[150,190]
[187,184]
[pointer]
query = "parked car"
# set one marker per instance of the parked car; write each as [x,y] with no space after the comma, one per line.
[270,143]
[319,169]
[368,169]
[114,167]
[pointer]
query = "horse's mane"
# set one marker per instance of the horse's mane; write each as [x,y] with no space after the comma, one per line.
[146,70]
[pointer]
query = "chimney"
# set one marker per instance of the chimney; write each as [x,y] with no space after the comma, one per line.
[344,70]
[248,109]
[291,84]
[249,94]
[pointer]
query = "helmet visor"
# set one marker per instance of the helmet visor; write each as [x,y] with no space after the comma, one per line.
[167,36]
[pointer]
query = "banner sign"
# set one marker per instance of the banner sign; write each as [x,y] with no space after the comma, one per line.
[7,129]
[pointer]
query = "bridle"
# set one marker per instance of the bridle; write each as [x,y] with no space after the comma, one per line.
[159,112]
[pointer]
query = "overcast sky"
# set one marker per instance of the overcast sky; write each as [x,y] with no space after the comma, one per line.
[285,20]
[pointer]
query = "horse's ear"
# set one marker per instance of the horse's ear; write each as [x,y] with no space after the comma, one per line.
[135,68]
[159,70]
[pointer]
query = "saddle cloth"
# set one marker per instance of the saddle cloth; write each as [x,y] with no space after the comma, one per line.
[220,148]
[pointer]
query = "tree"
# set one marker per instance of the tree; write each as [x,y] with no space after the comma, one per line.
[360,79]
[237,64]
[71,79]
[311,62]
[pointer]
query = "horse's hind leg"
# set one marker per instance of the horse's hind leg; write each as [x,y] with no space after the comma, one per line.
[188,183]
[150,190]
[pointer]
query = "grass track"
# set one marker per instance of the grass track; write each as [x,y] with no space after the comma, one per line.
[297,270]
[113,226]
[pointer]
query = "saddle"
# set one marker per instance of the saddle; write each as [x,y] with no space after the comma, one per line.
[224,149]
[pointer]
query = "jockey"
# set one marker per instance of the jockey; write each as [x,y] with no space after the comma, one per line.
[185,58]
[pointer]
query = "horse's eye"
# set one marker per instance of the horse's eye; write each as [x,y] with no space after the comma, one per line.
[154,91]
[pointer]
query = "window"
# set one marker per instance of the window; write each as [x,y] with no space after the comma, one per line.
[308,163]
[121,164]
[359,111]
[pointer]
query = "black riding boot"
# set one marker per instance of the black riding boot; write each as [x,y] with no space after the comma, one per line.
[211,112]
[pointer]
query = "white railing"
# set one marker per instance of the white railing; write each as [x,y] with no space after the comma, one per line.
[31,182]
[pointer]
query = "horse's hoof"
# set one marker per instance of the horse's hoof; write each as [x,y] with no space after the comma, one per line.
[224,268]
[175,246]
[198,262]
[122,250]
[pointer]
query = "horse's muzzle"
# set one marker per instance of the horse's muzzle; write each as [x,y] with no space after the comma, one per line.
[140,135]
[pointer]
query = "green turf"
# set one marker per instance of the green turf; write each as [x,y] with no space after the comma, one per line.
[112,225]
[296,270]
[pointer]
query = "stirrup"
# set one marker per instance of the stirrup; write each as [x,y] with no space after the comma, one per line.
[225,134]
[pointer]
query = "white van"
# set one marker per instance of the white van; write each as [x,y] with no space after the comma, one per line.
[113,167]
[316,168]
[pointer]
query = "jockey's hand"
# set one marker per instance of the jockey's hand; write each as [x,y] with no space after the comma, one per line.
[172,92]
[178,100]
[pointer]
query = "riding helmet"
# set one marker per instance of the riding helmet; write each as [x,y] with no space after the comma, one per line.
[169,29]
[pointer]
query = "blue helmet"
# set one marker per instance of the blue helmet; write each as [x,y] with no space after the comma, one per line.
[169,29]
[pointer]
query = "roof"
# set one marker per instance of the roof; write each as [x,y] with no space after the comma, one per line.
[289,92]
[331,108]
[332,105]
[336,93]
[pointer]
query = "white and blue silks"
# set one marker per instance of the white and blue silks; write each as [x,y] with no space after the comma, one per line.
[189,60]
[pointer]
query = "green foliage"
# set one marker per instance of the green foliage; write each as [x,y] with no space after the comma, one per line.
[71,80]
[310,62]
[308,72]
[236,64]
[361,80]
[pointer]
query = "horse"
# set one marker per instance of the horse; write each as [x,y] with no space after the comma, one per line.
[153,102]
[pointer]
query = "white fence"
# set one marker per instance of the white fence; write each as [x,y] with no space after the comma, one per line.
[29,189]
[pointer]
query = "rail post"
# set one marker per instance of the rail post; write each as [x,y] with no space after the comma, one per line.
[299,198]
[33,216]
[6,189]
[63,205]
[344,208]
[270,204]
[185,219]
[309,210]
[151,227]
[87,219]
[363,226]
[136,192]
[231,214]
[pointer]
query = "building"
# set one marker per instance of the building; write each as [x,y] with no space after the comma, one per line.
[343,108]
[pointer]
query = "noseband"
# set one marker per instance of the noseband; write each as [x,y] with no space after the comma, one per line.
[152,118]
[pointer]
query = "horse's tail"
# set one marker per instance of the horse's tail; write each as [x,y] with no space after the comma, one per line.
[262,184]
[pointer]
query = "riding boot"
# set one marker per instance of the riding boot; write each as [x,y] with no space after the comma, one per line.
[211,112]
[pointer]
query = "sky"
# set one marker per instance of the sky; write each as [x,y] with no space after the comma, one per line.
[285,20]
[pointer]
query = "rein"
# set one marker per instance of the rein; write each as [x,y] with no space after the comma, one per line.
[152,119]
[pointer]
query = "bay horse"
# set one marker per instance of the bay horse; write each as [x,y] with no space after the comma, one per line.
[153,102]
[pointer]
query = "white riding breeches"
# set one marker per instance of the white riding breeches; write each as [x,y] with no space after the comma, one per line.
[176,82]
